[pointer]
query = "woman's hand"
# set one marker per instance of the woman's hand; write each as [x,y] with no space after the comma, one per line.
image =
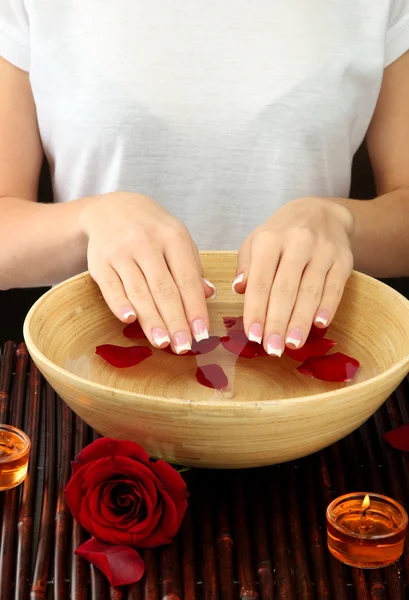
[293,270]
[147,267]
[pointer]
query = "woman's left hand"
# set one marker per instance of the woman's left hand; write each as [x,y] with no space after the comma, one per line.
[293,270]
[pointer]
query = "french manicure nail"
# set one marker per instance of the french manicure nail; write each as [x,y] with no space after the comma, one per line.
[199,330]
[322,318]
[255,333]
[212,287]
[238,280]
[275,345]
[127,313]
[294,338]
[181,342]
[160,337]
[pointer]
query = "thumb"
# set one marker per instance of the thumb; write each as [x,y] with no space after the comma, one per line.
[243,263]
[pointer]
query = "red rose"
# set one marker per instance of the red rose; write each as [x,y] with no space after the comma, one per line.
[123,497]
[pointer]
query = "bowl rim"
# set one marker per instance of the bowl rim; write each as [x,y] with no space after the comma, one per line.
[218,402]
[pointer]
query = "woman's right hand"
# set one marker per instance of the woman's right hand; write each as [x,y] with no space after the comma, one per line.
[147,267]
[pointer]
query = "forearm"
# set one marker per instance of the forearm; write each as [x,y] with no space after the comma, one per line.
[40,244]
[380,240]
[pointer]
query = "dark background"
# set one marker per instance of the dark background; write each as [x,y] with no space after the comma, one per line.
[14,304]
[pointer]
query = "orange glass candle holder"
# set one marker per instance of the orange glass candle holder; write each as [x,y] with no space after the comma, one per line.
[14,454]
[367,531]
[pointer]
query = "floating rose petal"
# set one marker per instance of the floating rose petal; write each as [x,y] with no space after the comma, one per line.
[134,331]
[212,376]
[317,333]
[121,565]
[238,343]
[203,347]
[334,367]
[398,438]
[313,347]
[122,357]
[233,323]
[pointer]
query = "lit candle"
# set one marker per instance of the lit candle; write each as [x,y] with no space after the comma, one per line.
[14,454]
[366,530]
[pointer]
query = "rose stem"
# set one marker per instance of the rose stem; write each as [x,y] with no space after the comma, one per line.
[150,581]
[224,542]
[171,588]
[259,529]
[79,567]
[188,556]
[25,521]
[15,410]
[245,568]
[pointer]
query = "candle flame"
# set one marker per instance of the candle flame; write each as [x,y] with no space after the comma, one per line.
[366,502]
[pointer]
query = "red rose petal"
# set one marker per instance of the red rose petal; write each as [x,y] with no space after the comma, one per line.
[333,367]
[317,333]
[313,347]
[203,347]
[398,438]
[121,565]
[239,344]
[107,447]
[123,357]
[212,376]
[134,331]
[233,323]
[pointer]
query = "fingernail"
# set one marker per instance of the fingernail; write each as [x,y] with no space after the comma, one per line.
[294,338]
[255,333]
[322,317]
[160,337]
[181,342]
[211,286]
[127,313]
[199,330]
[238,280]
[275,345]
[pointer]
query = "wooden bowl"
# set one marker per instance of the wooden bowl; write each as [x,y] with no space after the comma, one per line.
[269,413]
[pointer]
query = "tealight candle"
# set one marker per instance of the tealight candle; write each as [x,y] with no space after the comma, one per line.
[14,454]
[367,531]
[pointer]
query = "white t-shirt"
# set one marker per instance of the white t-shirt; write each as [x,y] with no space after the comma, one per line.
[221,110]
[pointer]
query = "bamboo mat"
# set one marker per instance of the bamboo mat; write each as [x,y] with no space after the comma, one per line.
[257,534]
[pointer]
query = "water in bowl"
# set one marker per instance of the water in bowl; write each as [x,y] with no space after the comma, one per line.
[257,379]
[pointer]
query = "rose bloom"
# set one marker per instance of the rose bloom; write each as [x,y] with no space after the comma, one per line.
[122,496]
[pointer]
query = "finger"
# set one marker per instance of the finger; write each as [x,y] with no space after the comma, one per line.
[281,303]
[334,286]
[167,299]
[138,292]
[307,302]
[113,292]
[184,270]
[208,286]
[265,256]
[243,265]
